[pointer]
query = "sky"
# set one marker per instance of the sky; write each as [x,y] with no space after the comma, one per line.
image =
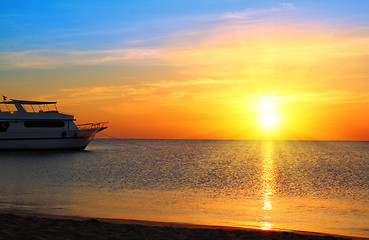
[205,69]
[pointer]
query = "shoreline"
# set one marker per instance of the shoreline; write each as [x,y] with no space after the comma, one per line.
[17,225]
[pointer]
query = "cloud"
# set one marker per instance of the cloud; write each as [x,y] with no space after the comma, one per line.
[137,91]
[192,29]
[287,4]
[247,45]
[202,92]
[59,58]
[322,97]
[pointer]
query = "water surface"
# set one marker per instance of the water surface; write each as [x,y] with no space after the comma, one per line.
[294,185]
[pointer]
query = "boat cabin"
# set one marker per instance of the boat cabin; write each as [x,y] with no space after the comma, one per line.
[32,115]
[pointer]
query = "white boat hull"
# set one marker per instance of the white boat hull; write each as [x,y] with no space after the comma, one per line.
[44,144]
[52,140]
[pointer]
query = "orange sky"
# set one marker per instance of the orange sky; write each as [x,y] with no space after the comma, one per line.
[213,81]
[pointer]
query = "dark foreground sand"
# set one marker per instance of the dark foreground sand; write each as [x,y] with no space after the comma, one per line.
[35,226]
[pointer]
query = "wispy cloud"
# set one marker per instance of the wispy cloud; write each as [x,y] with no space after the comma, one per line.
[182,30]
[58,58]
[203,92]
[287,4]
[222,44]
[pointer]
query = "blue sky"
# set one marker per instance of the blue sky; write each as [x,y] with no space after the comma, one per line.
[40,34]
[92,25]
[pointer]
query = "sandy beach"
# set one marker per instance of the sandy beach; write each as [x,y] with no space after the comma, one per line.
[16,225]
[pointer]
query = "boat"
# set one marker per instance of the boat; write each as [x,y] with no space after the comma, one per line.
[38,125]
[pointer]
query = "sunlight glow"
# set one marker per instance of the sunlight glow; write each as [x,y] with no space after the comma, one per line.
[269,120]
[269,115]
[267,189]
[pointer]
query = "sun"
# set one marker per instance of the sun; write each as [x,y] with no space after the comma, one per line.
[269,120]
[268,112]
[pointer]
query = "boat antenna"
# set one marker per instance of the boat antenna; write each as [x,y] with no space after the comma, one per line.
[6,105]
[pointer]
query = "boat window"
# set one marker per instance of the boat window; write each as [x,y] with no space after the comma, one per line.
[42,124]
[4,126]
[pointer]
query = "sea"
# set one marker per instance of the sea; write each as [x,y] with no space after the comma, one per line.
[312,186]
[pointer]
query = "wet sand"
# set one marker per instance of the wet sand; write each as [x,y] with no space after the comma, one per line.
[16,225]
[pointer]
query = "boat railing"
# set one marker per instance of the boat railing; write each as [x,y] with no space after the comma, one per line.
[92,125]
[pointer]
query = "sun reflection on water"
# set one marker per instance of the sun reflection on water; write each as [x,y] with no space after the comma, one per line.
[267,190]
